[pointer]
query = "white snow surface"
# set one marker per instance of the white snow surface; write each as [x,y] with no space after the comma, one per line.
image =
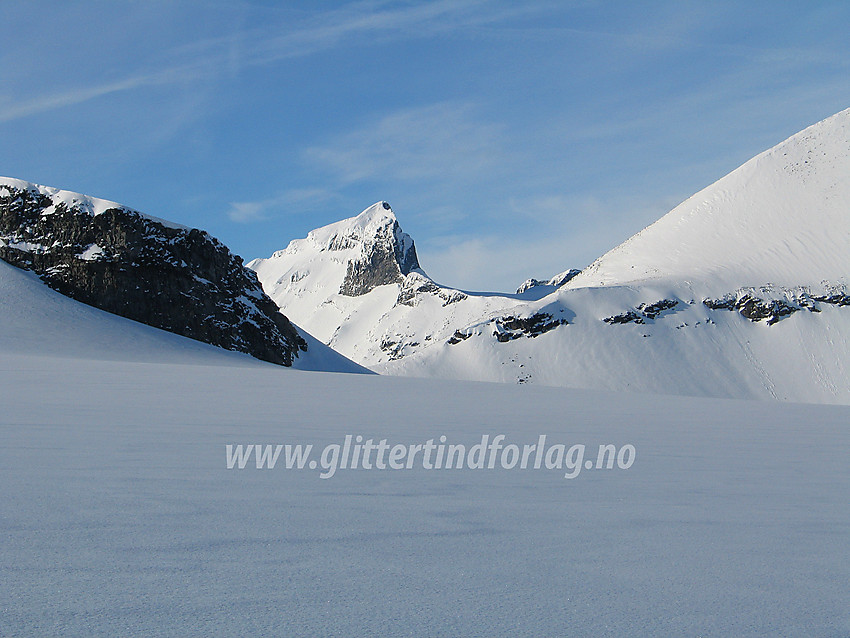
[38,321]
[778,226]
[119,516]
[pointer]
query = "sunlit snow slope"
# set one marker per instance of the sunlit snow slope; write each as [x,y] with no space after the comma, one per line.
[781,218]
[35,320]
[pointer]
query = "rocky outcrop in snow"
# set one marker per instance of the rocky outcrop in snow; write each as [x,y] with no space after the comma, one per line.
[150,270]
[554,282]
[387,253]
[773,304]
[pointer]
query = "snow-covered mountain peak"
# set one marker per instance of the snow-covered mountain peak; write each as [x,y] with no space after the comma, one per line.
[780,218]
[377,221]
[351,257]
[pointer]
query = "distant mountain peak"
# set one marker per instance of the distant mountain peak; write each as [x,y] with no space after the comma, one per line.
[387,253]
[372,246]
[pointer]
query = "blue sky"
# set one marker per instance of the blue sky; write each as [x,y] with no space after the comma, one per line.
[513,139]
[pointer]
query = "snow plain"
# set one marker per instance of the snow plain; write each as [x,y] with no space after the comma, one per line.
[119,516]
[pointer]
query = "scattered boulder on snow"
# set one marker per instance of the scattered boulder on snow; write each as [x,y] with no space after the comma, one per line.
[651,311]
[627,317]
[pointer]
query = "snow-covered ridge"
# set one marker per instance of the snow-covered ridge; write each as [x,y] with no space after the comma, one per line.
[84,203]
[782,217]
[359,285]
[350,233]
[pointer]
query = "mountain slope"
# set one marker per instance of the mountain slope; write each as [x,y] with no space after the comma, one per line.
[739,292]
[38,321]
[161,274]
[357,283]
[167,276]
[781,218]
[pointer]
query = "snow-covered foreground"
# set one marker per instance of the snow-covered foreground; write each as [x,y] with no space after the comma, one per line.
[37,320]
[120,518]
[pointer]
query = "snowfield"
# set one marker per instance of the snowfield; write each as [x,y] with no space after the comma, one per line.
[120,517]
[781,218]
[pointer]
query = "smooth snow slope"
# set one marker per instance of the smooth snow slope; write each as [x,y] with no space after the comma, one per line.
[781,218]
[37,320]
[120,518]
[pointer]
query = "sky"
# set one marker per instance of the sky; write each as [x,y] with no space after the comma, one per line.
[512,139]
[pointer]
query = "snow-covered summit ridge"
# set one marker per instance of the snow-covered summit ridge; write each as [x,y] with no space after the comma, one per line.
[782,218]
[352,256]
[370,225]
[83,203]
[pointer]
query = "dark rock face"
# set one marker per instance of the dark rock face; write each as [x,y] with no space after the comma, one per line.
[643,312]
[177,279]
[509,328]
[386,258]
[755,308]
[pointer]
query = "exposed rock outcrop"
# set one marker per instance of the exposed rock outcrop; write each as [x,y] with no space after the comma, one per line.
[555,282]
[643,312]
[774,304]
[416,284]
[387,256]
[510,327]
[116,259]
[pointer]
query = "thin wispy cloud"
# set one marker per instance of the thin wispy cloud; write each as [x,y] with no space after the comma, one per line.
[299,199]
[442,141]
[42,104]
[270,43]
